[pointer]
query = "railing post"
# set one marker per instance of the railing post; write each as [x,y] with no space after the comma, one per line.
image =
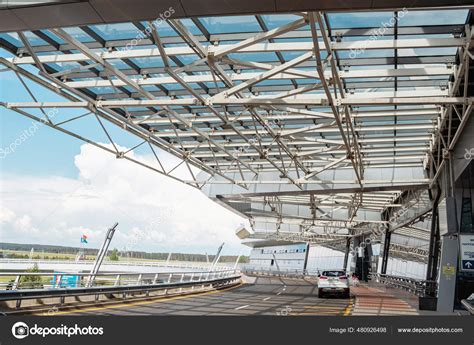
[117,280]
[182,278]
[192,276]
[169,278]
[90,280]
[139,279]
[155,279]
[16,283]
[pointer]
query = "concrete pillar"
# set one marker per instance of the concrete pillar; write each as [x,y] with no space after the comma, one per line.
[448,270]
[386,251]
[449,259]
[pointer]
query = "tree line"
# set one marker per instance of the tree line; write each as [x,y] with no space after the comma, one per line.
[115,254]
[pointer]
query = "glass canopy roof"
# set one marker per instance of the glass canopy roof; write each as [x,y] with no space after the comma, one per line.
[277,99]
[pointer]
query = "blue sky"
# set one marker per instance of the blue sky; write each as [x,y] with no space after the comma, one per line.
[49,152]
[35,156]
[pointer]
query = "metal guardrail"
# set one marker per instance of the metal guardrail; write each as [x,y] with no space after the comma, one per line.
[294,273]
[121,263]
[416,286]
[45,285]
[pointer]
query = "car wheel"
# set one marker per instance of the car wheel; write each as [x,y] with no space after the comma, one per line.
[320,293]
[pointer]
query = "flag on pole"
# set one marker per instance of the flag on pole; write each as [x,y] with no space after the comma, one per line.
[84,239]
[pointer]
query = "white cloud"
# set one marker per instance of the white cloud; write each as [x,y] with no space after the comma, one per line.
[155,213]
[6,215]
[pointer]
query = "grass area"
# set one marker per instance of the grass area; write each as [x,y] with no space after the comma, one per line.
[6,279]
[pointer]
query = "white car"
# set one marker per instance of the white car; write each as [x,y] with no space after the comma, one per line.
[333,282]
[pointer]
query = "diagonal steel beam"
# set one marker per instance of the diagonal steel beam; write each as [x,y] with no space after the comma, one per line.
[219,52]
[275,70]
[213,64]
[338,82]
[201,52]
[331,98]
[76,97]
[146,94]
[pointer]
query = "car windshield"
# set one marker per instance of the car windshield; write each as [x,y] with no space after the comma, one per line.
[333,273]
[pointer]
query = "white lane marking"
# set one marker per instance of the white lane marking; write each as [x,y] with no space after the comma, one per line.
[266,299]
[279,293]
[242,307]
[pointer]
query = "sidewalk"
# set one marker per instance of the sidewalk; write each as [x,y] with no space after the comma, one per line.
[375,299]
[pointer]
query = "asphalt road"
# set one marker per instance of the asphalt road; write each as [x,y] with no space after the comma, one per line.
[263,296]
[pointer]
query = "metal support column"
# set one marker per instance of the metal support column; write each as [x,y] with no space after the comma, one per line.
[346,254]
[386,251]
[434,249]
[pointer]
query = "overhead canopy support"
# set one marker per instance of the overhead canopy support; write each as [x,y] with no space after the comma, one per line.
[16,16]
[279,109]
[355,189]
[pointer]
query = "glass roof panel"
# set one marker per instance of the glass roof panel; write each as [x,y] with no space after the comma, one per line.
[14,39]
[359,20]
[220,25]
[118,31]
[276,20]
[148,62]
[189,24]
[11,38]
[447,17]
[78,34]
[163,28]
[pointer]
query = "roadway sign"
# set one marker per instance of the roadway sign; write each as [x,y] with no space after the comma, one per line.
[466,246]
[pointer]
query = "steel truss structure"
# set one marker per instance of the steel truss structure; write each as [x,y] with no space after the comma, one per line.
[294,116]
